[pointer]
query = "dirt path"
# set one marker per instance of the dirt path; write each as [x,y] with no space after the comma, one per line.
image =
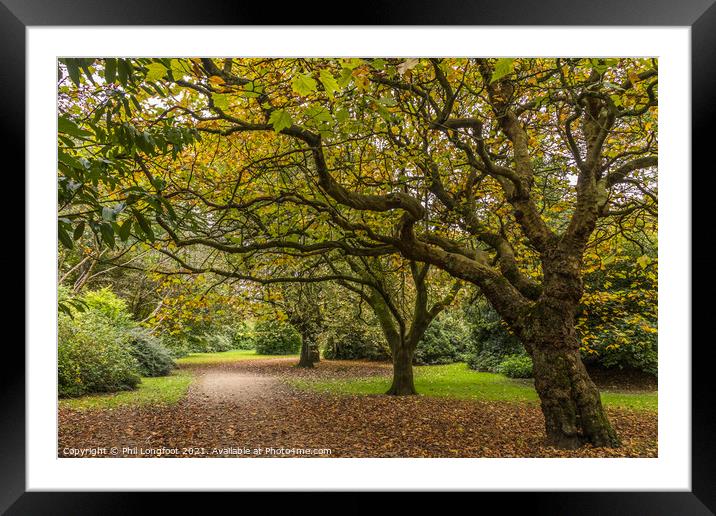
[246,409]
[220,387]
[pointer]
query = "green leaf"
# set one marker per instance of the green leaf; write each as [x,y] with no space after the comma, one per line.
[304,84]
[221,100]
[251,90]
[79,230]
[280,120]
[107,233]
[178,69]
[110,70]
[124,230]
[67,126]
[124,71]
[345,78]
[155,71]
[107,213]
[144,225]
[64,236]
[351,63]
[73,69]
[329,83]
[643,261]
[319,114]
[503,67]
[342,115]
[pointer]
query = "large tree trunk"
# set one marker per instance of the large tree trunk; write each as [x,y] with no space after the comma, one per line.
[403,384]
[315,353]
[306,358]
[570,401]
[309,350]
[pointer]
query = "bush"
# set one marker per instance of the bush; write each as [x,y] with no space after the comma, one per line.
[178,346]
[516,366]
[446,340]
[212,341]
[106,302]
[276,338]
[208,343]
[642,355]
[354,341]
[153,358]
[491,341]
[436,346]
[484,361]
[93,355]
[625,342]
[242,337]
[220,341]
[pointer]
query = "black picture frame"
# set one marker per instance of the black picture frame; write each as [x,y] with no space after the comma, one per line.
[700,15]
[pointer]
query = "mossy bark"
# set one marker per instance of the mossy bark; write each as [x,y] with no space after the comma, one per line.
[570,401]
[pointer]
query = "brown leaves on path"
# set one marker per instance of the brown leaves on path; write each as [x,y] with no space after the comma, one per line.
[237,409]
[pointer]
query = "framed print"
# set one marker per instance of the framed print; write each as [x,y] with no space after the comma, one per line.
[426,247]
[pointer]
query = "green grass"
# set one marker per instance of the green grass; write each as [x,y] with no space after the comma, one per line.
[458,381]
[163,390]
[224,356]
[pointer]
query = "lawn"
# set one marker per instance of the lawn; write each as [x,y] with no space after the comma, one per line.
[458,381]
[224,356]
[163,390]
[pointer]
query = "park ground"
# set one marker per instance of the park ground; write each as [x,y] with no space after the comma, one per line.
[240,404]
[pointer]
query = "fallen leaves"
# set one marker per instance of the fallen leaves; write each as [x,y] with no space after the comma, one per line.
[246,405]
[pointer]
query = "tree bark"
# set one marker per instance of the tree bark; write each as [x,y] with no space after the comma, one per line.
[403,384]
[570,401]
[306,358]
[309,349]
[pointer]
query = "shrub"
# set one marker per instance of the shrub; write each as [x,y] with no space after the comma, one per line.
[491,341]
[484,361]
[617,320]
[628,342]
[242,337]
[354,341]
[153,358]
[219,341]
[642,355]
[516,366]
[276,338]
[93,355]
[446,340]
[437,346]
[178,346]
[107,303]
[207,343]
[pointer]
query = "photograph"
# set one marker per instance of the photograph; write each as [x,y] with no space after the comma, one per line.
[441,256]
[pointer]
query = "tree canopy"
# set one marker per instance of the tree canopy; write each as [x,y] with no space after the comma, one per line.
[518,176]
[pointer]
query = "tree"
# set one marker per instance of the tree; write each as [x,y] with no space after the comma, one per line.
[302,304]
[495,171]
[402,308]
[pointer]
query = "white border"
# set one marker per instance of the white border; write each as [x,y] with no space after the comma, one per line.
[670,471]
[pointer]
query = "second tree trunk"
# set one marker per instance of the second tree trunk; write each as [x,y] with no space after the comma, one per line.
[403,383]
